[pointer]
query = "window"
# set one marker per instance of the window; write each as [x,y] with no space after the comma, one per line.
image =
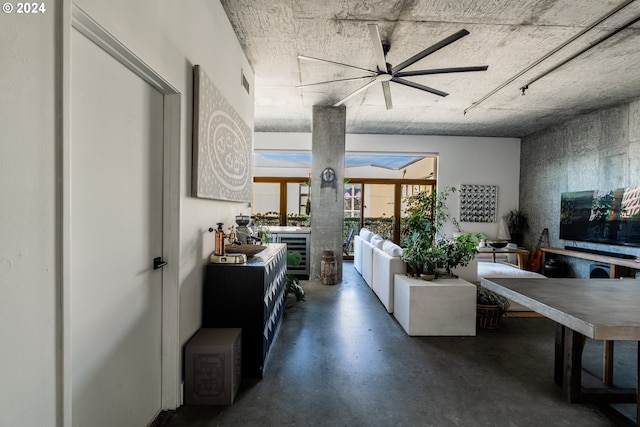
[352,200]
[266,203]
[375,196]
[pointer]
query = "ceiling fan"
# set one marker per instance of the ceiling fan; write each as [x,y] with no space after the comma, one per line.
[385,73]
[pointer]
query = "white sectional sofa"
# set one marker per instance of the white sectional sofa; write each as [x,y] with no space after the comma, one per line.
[378,260]
[357,248]
[387,262]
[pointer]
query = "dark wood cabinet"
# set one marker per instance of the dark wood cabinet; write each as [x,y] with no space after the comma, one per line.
[250,296]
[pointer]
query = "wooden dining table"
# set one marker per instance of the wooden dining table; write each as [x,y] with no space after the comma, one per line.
[600,309]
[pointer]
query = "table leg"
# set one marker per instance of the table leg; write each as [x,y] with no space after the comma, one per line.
[572,378]
[558,370]
[607,363]
[638,388]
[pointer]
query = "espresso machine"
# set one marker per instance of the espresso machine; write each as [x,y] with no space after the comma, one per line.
[220,255]
[244,230]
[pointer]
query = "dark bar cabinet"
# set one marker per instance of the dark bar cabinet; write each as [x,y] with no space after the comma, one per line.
[250,296]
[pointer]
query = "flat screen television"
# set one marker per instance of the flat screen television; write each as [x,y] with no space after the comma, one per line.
[610,217]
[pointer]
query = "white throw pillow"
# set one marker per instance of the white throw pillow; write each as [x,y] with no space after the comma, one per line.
[365,234]
[391,249]
[377,241]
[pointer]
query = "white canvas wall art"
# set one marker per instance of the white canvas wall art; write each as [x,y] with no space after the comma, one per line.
[222,146]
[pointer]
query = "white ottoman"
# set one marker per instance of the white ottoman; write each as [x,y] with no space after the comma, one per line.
[445,307]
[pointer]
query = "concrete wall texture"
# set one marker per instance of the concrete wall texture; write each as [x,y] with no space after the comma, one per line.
[600,150]
[327,200]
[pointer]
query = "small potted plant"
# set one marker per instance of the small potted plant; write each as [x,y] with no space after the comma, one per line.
[435,260]
[423,258]
[415,254]
[292,286]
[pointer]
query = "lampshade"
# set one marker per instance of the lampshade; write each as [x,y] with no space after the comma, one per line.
[503,229]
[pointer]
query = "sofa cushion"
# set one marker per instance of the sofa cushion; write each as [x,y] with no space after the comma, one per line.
[391,249]
[385,267]
[377,241]
[365,234]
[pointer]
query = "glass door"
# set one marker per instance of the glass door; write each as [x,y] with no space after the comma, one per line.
[378,209]
[352,215]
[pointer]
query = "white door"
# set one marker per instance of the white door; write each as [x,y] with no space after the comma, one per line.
[116,231]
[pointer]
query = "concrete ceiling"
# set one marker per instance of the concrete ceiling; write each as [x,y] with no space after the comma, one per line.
[519,41]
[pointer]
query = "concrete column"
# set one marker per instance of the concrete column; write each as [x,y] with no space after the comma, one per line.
[327,198]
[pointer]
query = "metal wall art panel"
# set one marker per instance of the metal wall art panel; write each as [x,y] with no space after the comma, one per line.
[222,146]
[478,203]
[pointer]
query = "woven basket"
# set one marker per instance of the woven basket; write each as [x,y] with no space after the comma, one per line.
[488,316]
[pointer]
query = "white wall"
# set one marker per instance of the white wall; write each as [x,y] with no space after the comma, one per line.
[461,160]
[170,37]
[28,248]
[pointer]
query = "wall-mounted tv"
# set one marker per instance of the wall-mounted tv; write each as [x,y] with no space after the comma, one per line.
[610,217]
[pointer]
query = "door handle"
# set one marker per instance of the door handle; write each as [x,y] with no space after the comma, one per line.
[158,263]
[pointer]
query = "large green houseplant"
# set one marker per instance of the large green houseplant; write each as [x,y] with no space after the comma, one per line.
[427,212]
[427,249]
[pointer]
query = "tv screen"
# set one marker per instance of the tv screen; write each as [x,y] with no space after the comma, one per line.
[609,217]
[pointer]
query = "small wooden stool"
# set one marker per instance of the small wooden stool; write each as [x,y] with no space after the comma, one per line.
[212,363]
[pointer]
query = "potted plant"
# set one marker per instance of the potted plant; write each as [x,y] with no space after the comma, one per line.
[459,251]
[435,260]
[292,286]
[427,249]
[490,308]
[517,224]
[415,253]
[423,258]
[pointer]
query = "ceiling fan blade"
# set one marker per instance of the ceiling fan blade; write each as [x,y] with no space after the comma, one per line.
[387,95]
[430,50]
[419,86]
[310,58]
[441,71]
[377,47]
[335,81]
[355,92]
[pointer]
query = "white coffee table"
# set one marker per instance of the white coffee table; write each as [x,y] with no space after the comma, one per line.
[443,307]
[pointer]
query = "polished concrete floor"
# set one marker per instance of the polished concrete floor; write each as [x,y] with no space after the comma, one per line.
[341,360]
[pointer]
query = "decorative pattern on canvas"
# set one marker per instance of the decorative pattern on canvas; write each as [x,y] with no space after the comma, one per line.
[478,203]
[222,146]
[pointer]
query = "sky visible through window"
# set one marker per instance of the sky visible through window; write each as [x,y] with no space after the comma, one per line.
[302,159]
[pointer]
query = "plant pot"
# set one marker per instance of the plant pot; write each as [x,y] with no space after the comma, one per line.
[427,277]
[413,271]
[290,301]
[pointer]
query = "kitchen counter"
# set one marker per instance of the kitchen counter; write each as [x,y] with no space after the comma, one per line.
[279,229]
